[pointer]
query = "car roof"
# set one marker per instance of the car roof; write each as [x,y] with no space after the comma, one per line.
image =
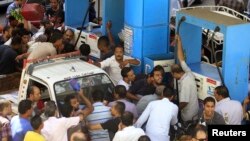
[63,70]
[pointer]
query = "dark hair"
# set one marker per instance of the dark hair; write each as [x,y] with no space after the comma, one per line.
[168,92]
[125,71]
[12,18]
[208,99]
[199,128]
[157,68]
[66,110]
[103,41]
[6,28]
[55,36]
[176,68]
[144,138]
[50,109]
[118,46]
[24,106]
[36,122]
[68,98]
[85,49]
[120,90]
[127,118]
[223,91]
[97,95]
[120,107]
[23,32]
[16,40]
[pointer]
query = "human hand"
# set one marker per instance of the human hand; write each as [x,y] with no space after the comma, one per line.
[74,85]
[124,63]
[108,25]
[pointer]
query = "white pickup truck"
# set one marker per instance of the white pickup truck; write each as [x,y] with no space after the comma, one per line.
[52,76]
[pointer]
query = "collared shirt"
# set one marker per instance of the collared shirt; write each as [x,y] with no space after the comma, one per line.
[144,101]
[100,114]
[129,133]
[55,129]
[5,127]
[19,127]
[128,106]
[159,115]
[41,50]
[231,110]
[188,93]
[113,67]
[122,82]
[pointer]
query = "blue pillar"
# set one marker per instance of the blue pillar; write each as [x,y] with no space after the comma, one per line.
[236,60]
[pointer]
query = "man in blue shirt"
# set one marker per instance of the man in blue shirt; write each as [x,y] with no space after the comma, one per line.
[20,124]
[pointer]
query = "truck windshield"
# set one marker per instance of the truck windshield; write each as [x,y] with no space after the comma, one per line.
[88,84]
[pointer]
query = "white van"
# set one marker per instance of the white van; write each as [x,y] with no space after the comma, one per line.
[52,76]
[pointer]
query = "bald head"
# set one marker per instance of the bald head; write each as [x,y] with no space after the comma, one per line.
[78,136]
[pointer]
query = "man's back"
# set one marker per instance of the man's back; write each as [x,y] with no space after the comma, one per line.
[231,110]
[41,50]
[7,60]
[100,114]
[19,127]
[129,133]
[160,114]
[59,126]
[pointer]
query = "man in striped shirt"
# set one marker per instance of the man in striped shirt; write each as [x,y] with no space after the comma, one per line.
[100,114]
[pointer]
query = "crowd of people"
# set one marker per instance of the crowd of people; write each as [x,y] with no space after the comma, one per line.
[145,107]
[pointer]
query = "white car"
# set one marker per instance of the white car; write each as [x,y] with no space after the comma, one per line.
[53,77]
[5,2]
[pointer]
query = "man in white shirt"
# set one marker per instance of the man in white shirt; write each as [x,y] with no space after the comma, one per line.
[115,63]
[127,132]
[55,129]
[188,97]
[128,77]
[159,114]
[44,49]
[231,110]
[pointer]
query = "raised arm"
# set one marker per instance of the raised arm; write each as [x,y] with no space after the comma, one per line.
[180,53]
[89,108]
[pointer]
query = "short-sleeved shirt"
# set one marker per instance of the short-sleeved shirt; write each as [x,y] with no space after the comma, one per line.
[33,136]
[188,93]
[231,110]
[55,129]
[112,126]
[113,67]
[19,127]
[58,14]
[41,50]
[141,87]
[7,60]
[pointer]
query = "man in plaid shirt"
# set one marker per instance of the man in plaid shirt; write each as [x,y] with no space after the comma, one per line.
[5,110]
